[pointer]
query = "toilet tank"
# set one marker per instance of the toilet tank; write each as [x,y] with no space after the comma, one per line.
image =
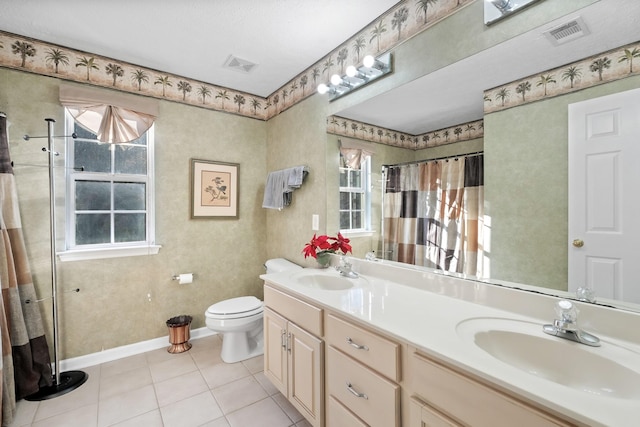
[278,265]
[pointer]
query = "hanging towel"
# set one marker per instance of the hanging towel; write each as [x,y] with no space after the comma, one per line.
[274,190]
[296,175]
[280,185]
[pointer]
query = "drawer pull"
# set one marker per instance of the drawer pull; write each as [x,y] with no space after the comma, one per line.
[355,393]
[356,345]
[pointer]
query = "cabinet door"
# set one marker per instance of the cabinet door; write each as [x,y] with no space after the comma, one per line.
[306,390]
[275,353]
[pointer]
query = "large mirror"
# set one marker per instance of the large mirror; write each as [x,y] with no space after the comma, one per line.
[525,147]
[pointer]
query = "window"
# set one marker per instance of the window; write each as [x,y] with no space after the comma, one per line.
[109,196]
[355,198]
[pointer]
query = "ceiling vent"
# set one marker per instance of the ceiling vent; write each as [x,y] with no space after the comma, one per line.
[238,64]
[567,32]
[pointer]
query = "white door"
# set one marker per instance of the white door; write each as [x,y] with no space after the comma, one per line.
[604,196]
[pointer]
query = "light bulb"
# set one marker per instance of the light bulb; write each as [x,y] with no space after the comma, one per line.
[368,61]
[336,80]
[323,88]
[352,71]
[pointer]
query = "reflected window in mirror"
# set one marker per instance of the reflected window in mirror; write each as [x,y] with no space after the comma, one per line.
[355,195]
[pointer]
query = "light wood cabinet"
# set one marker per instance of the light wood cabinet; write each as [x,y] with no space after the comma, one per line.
[368,348]
[422,415]
[339,415]
[370,396]
[294,358]
[452,398]
[363,371]
[275,350]
[363,378]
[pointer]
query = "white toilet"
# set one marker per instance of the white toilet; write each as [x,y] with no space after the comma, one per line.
[239,320]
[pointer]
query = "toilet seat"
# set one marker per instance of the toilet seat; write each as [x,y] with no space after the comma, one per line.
[235,308]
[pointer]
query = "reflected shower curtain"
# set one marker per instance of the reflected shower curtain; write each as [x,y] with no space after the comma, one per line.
[26,365]
[433,214]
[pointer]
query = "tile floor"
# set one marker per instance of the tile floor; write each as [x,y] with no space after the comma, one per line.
[159,389]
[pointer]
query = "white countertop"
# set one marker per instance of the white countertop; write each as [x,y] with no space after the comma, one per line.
[424,309]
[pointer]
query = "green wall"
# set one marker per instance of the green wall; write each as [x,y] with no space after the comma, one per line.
[113,307]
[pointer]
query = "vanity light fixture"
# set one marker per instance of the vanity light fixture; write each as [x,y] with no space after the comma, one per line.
[355,77]
[495,10]
[335,80]
[503,6]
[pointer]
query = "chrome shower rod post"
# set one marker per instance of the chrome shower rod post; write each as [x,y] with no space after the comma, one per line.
[52,231]
[66,381]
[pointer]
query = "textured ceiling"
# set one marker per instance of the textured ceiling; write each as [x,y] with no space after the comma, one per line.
[195,38]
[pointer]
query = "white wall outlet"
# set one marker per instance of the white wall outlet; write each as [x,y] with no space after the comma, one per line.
[315,222]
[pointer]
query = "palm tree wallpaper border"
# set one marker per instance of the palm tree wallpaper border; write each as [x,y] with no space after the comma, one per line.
[403,21]
[42,58]
[367,132]
[598,69]
[400,23]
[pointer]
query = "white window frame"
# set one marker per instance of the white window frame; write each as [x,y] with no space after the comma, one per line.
[365,189]
[75,252]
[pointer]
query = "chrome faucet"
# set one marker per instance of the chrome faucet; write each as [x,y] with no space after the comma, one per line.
[566,325]
[345,269]
[370,256]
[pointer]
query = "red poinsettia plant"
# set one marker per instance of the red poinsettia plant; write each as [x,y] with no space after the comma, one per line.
[326,244]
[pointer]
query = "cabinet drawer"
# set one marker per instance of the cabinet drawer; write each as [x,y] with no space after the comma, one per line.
[305,315]
[468,401]
[367,347]
[338,415]
[378,403]
[422,415]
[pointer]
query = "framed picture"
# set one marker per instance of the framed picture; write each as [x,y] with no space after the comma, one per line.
[214,189]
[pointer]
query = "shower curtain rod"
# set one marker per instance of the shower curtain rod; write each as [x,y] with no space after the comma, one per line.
[456,156]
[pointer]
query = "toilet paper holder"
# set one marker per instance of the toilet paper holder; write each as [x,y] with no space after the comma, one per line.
[183,276]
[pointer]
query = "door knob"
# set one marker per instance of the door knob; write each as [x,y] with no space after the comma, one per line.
[578,243]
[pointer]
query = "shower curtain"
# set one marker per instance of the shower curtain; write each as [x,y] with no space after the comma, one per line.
[433,213]
[26,365]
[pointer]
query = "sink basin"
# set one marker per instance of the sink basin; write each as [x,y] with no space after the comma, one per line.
[604,371]
[327,281]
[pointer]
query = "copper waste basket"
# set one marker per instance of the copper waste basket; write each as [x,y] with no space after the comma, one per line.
[179,333]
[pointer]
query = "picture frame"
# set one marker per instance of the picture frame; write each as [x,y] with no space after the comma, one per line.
[214,189]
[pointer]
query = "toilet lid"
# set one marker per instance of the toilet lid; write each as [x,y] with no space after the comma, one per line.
[236,306]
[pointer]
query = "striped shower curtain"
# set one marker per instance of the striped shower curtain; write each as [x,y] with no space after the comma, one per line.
[433,214]
[26,364]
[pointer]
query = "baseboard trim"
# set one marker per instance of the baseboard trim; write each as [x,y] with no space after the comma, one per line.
[126,351]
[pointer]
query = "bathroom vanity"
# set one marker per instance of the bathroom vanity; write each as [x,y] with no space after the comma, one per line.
[405,346]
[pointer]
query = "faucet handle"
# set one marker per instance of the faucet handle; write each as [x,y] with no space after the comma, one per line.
[566,312]
[586,294]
